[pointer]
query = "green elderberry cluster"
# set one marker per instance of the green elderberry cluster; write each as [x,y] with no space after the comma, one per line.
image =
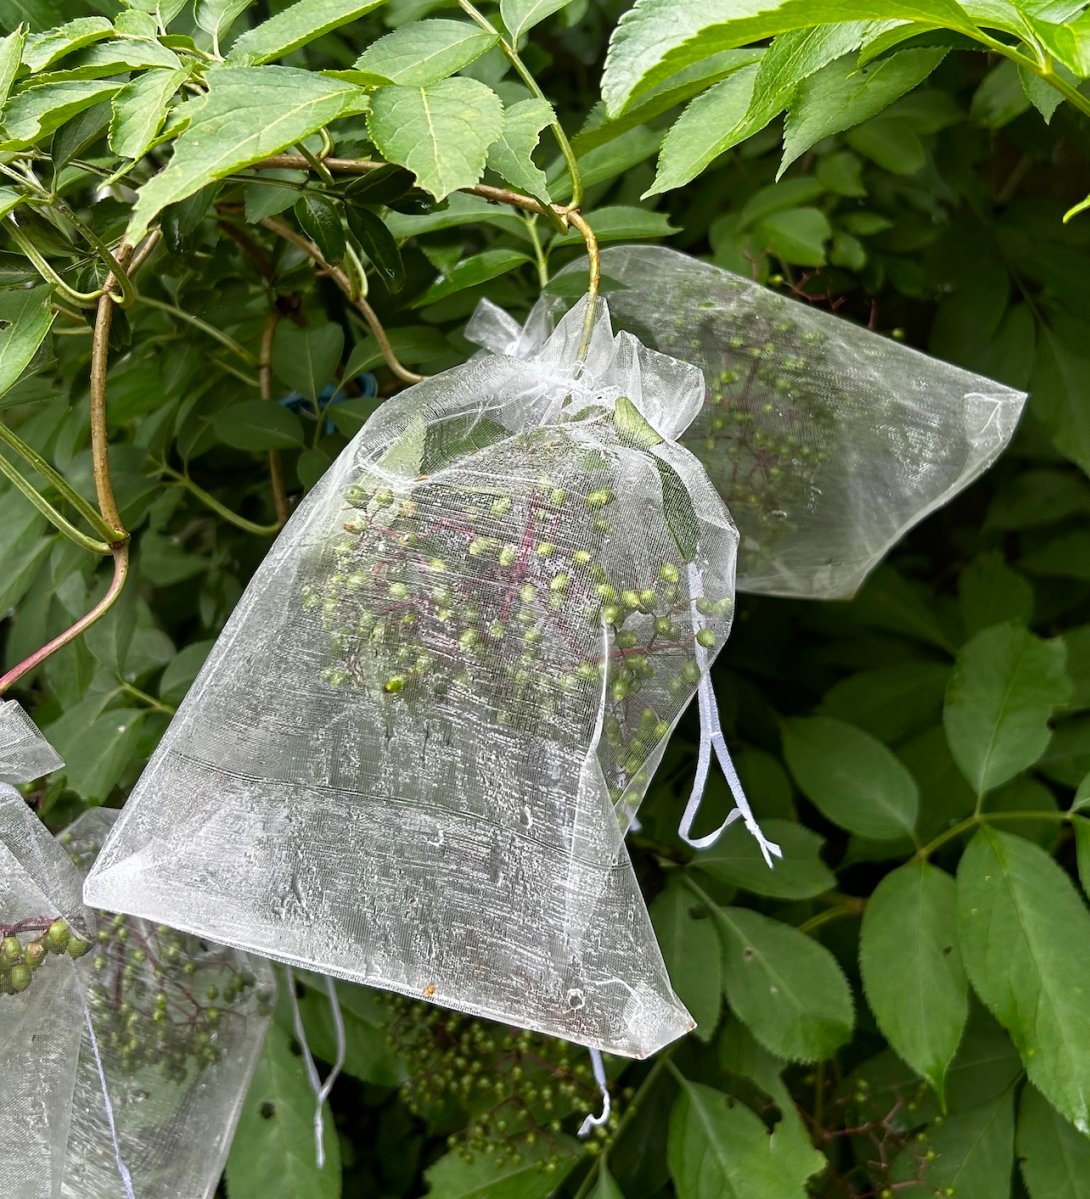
[768,422]
[502,592]
[28,944]
[510,1092]
[161,998]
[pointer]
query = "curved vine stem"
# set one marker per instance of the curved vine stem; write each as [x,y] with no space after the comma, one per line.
[55,518]
[345,284]
[221,510]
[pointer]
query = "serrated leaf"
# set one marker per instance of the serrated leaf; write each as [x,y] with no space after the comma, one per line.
[472,272]
[520,16]
[912,972]
[511,157]
[114,57]
[248,114]
[217,16]
[1068,41]
[258,425]
[693,954]
[295,26]
[33,114]
[620,222]
[44,49]
[377,242]
[320,220]
[719,1149]
[1041,94]
[736,859]
[441,133]
[424,52]
[971,1152]
[139,110]
[784,986]
[11,52]
[1054,1157]
[26,316]
[273,1155]
[1000,97]
[796,236]
[852,778]
[483,1177]
[842,95]
[1023,931]
[657,38]
[1006,685]
[306,359]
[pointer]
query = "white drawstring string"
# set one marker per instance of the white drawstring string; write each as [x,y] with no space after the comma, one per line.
[122,1169]
[711,738]
[321,1090]
[607,1106]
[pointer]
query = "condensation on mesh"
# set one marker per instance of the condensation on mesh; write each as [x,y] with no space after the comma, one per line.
[409,758]
[177,1104]
[40,1027]
[826,441]
[24,753]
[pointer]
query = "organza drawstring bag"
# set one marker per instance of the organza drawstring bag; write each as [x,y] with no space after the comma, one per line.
[411,757]
[125,1050]
[826,441]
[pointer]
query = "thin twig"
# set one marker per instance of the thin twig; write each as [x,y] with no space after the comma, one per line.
[264,375]
[100,454]
[344,283]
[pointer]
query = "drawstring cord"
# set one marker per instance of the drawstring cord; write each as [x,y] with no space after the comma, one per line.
[122,1169]
[593,1121]
[321,1090]
[711,738]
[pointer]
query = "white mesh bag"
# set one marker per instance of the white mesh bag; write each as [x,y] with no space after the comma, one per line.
[411,757]
[24,753]
[827,441]
[42,923]
[179,1027]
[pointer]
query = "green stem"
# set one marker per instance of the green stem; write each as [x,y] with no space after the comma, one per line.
[513,58]
[316,165]
[121,276]
[224,339]
[49,512]
[539,252]
[1039,66]
[82,299]
[43,468]
[977,818]
[210,501]
[149,700]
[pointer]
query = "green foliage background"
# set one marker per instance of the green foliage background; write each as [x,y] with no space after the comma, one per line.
[903,1006]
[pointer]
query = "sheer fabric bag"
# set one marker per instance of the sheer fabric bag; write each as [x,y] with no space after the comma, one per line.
[411,757]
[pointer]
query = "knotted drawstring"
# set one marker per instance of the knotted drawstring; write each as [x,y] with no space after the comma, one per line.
[122,1169]
[599,1069]
[321,1090]
[711,738]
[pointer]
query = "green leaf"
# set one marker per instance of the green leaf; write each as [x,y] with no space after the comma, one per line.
[413,345]
[512,157]
[377,242]
[482,1177]
[1041,94]
[677,505]
[1000,97]
[990,592]
[425,51]
[306,359]
[182,670]
[26,316]
[21,570]
[708,127]
[657,38]
[258,425]
[139,110]
[620,222]
[33,114]
[248,114]
[273,1154]
[606,1185]
[852,778]
[969,1154]
[472,272]
[797,236]
[441,133]
[1006,685]
[217,16]
[912,972]
[736,859]
[1078,666]
[1054,1157]
[842,95]
[1069,42]
[295,26]
[1023,932]
[369,1056]
[96,754]
[320,219]
[1038,497]
[1081,827]
[114,57]
[519,16]
[11,52]
[890,702]
[44,49]
[784,986]
[632,426]
[693,954]
[719,1149]
[1061,390]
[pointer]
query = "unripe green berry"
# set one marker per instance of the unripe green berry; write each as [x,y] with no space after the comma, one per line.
[56,937]
[11,951]
[706,638]
[20,977]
